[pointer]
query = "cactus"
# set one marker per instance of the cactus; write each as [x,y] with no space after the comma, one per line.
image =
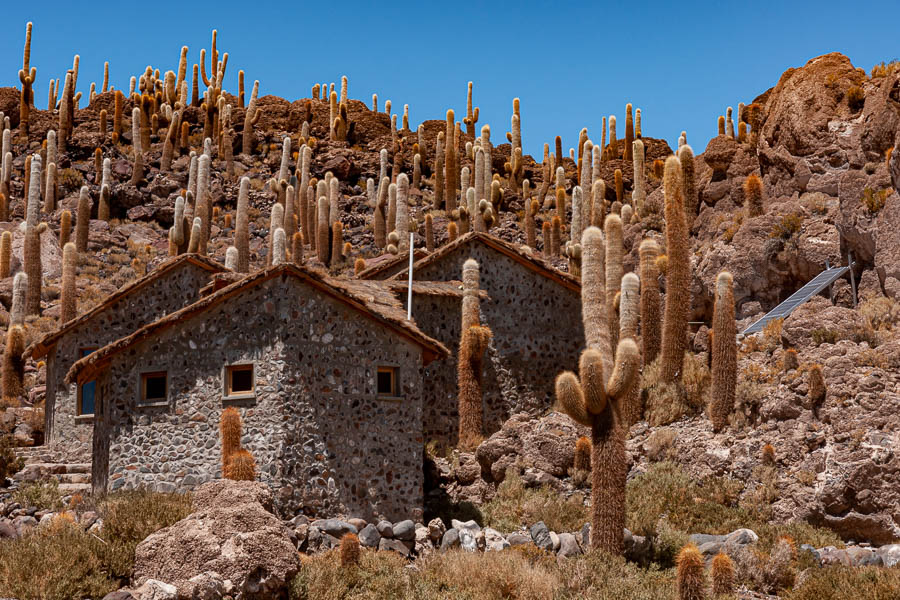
[473,343]
[451,170]
[5,254]
[753,195]
[678,291]
[13,365]
[276,221]
[722,573]
[789,360]
[594,399]
[438,172]
[582,454]
[27,77]
[555,236]
[691,574]
[768,455]
[391,221]
[546,238]
[650,330]
[613,142]
[230,431]
[137,172]
[337,243]
[531,210]
[242,227]
[349,550]
[577,226]
[429,233]
[20,291]
[251,118]
[688,183]
[724,353]
[817,389]
[471,114]
[196,234]
[241,467]
[402,216]
[637,123]
[629,300]
[279,240]
[729,123]
[203,208]
[614,270]
[67,292]
[322,231]
[379,217]
[629,133]
[231,259]
[598,203]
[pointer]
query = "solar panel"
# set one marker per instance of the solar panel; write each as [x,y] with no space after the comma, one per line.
[783,310]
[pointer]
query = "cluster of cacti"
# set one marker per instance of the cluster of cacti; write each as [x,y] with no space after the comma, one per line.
[724,353]
[474,340]
[594,398]
[237,463]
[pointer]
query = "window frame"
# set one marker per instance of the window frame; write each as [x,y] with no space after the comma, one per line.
[143,401]
[394,370]
[227,373]
[79,388]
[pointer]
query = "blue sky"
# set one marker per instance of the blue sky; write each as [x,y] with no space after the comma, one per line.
[570,63]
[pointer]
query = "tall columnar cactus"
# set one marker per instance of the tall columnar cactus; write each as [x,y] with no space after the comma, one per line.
[379,217]
[722,574]
[729,123]
[753,195]
[402,218]
[242,227]
[678,275]
[137,172]
[20,292]
[817,389]
[595,399]
[650,329]
[724,353]
[230,431]
[196,234]
[337,243]
[279,247]
[32,250]
[474,340]
[251,118]
[297,249]
[613,141]
[203,208]
[638,194]
[392,208]
[5,254]
[438,172]
[451,168]
[629,132]
[67,294]
[614,270]
[531,210]
[276,222]
[688,184]
[629,311]
[555,235]
[471,114]
[13,365]
[691,576]
[27,76]
[322,231]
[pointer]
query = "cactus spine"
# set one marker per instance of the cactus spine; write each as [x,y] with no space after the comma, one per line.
[650,329]
[724,353]
[678,291]
[242,227]
[402,218]
[688,183]
[5,253]
[594,399]
[722,572]
[691,577]
[13,364]
[614,270]
[474,340]
[67,294]
[753,195]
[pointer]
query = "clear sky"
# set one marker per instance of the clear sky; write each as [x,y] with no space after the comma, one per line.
[570,63]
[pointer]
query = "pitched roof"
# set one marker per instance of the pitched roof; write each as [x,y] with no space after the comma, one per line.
[369,298]
[42,347]
[527,259]
[386,263]
[451,289]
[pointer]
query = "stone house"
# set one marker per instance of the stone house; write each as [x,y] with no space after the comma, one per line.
[327,373]
[69,408]
[534,312]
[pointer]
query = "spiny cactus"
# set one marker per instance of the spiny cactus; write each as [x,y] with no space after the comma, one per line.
[678,291]
[297,248]
[322,231]
[20,292]
[582,454]
[13,365]
[471,114]
[451,169]
[251,118]
[555,235]
[473,343]
[242,227]
[650,328]
[613,142]
[230,431]
[789,361]
[531,210]
[724,353]
[729,123]
[429,233]
[816,386]
[721,125]
[614,270]
[629,133]
[688,184]
[594,399]
[722,572]
[26,77]
[276,222]
[691,574]
[279,241]
[241,467]
[5,254]
[753,195]
[231,259]
[637,123]
[203,208]
[67,292]
[402,217]
[196,234]
[32,249]
[349,550]
[337,243]
[768,455]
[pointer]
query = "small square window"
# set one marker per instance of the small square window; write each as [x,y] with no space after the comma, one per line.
[154,387]
[239,380]
[387,381]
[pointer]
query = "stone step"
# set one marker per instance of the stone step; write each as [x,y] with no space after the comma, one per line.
[41,470]
[73,488]
[73,478]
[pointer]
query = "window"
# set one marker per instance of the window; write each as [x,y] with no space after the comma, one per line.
[387,381]
[154,387]
[86,391]
[239,381]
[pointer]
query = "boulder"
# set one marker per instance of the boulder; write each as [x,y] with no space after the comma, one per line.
[405,530]
[450,540]
[540,535]
[334,527]
[156,590]
[369,536]
[232,532]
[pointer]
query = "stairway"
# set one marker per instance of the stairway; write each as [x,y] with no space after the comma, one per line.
[42,465]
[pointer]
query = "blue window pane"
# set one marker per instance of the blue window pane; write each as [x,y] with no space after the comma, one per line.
[88,389]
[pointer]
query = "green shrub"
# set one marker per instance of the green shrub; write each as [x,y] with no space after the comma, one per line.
[56,562]
[514,505]
[44,495]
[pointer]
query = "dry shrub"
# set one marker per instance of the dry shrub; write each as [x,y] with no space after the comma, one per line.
[874,200]
[665,402]
[871,583]
[44,495]
[787,227]
[660,445]
[856,98]
[768,572]
[602,576]
[515,505]
[9,462]
[379,575]
[57,562]
[881,314]
[492,575]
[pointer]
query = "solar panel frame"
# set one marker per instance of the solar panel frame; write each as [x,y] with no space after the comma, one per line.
[801,296]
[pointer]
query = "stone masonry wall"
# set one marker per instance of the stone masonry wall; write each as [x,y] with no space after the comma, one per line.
[537,330]
[68,434]
[320,435]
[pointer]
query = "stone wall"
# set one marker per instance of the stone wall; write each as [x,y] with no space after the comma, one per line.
[537,330]
[321,436]
[68,434]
